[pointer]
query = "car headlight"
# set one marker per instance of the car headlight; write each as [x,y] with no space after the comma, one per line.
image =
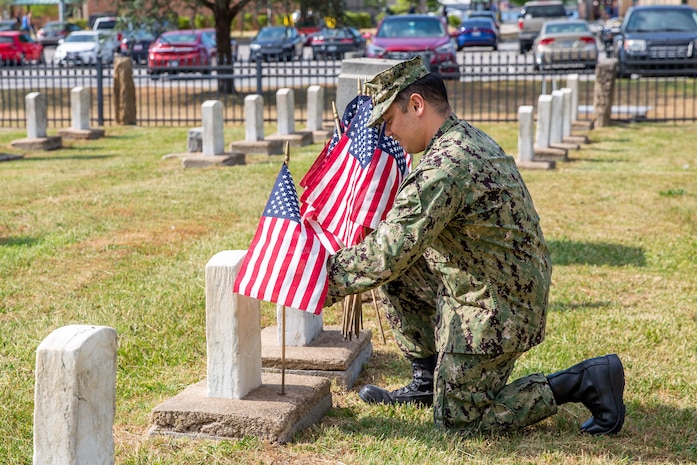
[255,47]
[635,45]
[375,50]
[446,48]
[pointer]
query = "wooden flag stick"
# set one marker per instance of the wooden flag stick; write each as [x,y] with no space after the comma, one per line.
[377,315]
[337,121]
[283,313]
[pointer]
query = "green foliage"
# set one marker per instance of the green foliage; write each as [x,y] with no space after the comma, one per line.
[184,22]
[358,20]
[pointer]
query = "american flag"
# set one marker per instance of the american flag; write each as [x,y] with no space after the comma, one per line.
[317,167]
[357,183]
[286,262]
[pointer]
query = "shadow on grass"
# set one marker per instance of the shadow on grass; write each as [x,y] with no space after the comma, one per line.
[595,253]
[558,436]
[17,241]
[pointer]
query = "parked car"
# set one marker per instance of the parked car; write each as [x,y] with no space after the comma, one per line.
[181,51]
[486,14]
[565,44]
[334,43]
[53,31]
[135,44]
[532,16]
[9,25]
[85,48]
[657,40]
[276,43]
[17,48]
[401,37]
[477,32]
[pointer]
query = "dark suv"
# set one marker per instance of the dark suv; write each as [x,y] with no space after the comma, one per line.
[401,37]
[657,40]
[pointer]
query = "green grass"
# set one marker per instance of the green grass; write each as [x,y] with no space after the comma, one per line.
[107,232]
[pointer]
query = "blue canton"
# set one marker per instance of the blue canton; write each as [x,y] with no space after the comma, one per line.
[349,113]
[364,140]
[392,148]
[283,201]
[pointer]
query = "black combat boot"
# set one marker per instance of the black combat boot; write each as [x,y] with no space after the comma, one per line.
[419,391]
[599,384]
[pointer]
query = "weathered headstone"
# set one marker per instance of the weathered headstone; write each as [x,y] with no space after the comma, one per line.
[237,399]
[285,118]
[75,397]
[526,149]
[233,338]
[254,141]
[556,128]
[603,92]
[543,150]
[315,115]
[213,137]
[37,124]
[124,91]
[80,102]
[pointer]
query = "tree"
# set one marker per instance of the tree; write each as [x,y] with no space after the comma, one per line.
[160,14]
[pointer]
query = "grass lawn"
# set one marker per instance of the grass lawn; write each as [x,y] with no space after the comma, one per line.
[107,232]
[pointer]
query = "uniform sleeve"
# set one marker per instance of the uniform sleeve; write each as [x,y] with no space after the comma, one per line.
[425,204]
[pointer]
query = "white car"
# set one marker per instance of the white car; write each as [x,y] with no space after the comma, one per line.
[85,47]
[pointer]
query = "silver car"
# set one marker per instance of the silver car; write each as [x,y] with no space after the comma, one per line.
[565,44]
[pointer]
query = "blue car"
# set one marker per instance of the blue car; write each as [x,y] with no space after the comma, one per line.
[479,32]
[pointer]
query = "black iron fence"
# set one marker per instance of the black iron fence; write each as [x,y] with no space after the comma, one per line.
[490,88]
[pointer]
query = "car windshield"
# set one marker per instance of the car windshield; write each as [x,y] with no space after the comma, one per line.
[54,26]
[410,27]
[81,38]
[335,33]
[178,38]
[662,21]
[564,28]
[478,23]
[272,33]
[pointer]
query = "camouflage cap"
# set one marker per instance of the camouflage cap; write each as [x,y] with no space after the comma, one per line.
[385,86]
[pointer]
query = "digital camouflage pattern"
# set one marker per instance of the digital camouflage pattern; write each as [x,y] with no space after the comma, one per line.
[472,397]
[464,272]
[486,270]
[385,86]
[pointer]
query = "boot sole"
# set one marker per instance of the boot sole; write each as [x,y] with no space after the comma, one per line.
[617,387]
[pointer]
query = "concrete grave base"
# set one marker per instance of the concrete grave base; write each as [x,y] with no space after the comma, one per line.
[550,153]
[263,413]
[576,139]
[328,355]
[38,143]
[81,134]
[262,147]
[10,157]
[295,139]
[582,125]
[564,145]
[198,160]
[536,165]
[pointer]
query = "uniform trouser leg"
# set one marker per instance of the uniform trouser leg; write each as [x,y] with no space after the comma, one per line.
[471,394]
[410,308]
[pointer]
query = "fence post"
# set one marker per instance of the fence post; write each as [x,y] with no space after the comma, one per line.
[258,63]
[100,93]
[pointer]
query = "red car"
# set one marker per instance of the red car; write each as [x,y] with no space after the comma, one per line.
[401,37]
[181,51]
[17,48]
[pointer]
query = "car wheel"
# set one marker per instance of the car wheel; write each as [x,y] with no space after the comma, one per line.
[495,47]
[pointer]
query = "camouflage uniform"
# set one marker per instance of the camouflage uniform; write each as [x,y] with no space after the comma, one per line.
[464,273]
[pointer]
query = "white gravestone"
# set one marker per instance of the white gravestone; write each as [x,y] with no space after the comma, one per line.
[212,139]
[233,330]
[75,397]
[254,118]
